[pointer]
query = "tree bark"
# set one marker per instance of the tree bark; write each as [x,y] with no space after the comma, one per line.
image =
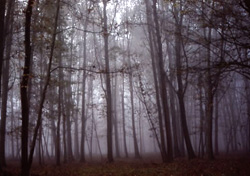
[115,116]
[162,85]
[180,94]
[123,118]
[2,36]
[209,102]
[216,125]
[23,91]
[43,96]
[6,65]
[152,54]
[108,86]
[131,90]
[83,94]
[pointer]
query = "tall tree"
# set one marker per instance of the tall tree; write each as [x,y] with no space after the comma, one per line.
[179,74]
[123,116]
[46,84]
[2,36]
[108,84]
[6,65]
[131,91]
[84,90]
[162,83]
[24,89]
[153,55]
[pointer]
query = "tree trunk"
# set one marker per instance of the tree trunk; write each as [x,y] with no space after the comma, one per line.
[82,159]
[40,144]
[23,91]
[136,148]
[216,132]
[115,121]
[108,86]
[180,94]
[58,143]
[149,115]
[68,124]
[152,53]
[2,37]
[6,65]
[177,130]
[162,85]
[131,90]
[123,118]
[59,106]
[201,143]
[76,136]
[43,96]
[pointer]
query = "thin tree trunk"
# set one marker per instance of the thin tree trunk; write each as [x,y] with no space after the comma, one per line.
[179,75]
[58,145]
[67,109]
[247,89]
[96,134]
[76,136]
[12,127]
[59,105]
[162,146]
[180,94]
[209,102]
[131,90]
[216,132]
[43,96]
[40,145]
[115,121]
[201,143]
[173,104]
[6,65]
[2,37]
[83,95]
[149,116]
[162,85]
[108,86]
[123,118]
[24,91]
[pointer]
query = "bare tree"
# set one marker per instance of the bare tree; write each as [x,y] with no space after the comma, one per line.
[108,86]
[153,55]
[6,65]
[46,84]
[162,84]
[24,89]
[179,75]
[2,36]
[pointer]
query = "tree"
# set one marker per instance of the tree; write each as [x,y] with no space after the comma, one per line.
[24,89]
[84,119]
[179,75]
[6,65]
[156,80]
[46,84]
[108,86]
[162,84]
[2,36]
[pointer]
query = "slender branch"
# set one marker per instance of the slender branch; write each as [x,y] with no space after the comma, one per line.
[122,70]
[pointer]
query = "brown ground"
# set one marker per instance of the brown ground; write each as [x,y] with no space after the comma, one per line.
[226,166]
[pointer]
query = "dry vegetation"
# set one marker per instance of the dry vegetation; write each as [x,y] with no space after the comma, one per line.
[233,166]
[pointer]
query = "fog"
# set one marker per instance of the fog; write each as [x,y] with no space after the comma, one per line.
[88,80]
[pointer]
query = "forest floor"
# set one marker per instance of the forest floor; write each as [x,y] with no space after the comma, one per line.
[224,166]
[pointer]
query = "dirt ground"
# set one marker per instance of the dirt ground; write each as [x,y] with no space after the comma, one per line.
[226,166]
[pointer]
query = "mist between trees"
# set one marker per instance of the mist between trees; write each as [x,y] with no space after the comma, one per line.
[85,80]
